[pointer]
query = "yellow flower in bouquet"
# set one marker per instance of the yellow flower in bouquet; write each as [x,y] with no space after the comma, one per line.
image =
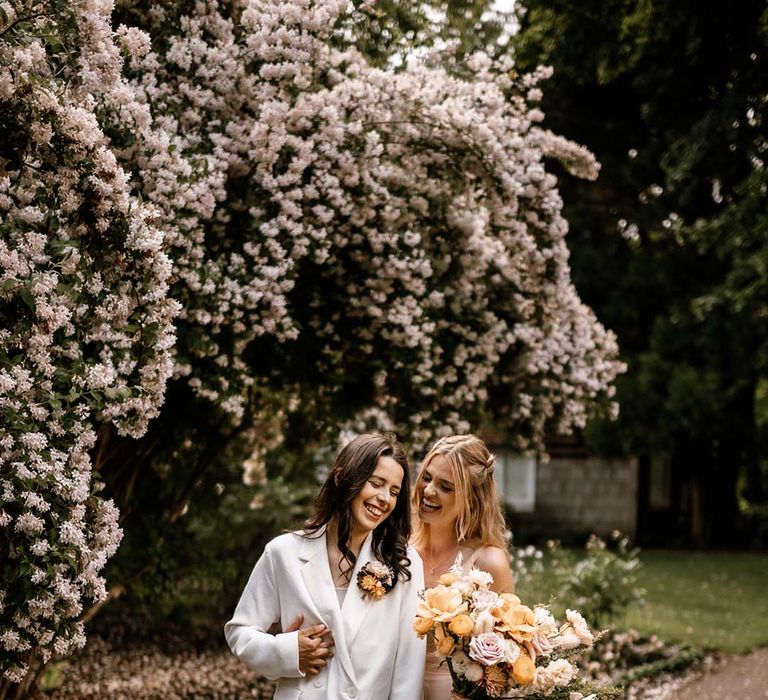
[462,625]
[444,643]
[422,625]
[514,619]
[441,604]
[523,670]
[448,578]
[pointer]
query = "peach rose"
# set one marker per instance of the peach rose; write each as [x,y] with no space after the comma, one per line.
[441,604]
[515,620]
[523,670]
[462,625]
[422,625]
[448,578]
[444,643]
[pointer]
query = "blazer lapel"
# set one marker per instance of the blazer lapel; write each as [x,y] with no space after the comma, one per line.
[318,581]
[355,605]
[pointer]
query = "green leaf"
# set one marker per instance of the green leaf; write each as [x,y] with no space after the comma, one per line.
[27,297]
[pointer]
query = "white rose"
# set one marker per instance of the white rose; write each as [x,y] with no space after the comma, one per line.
[474,672]
[513,652]
[543,681]
[485,600]
[482,579]
[580,626]
[484,623]
[562,672]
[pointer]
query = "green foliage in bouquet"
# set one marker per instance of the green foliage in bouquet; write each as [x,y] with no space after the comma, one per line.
[576,689]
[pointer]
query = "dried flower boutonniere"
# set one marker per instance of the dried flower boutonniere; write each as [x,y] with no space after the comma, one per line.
[375,580]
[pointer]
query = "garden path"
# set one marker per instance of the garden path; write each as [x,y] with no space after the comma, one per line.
[738,678]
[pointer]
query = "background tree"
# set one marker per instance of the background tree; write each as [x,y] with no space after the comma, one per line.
[669,246]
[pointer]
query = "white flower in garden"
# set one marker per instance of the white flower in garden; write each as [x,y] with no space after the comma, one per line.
[9,640]
[29,524]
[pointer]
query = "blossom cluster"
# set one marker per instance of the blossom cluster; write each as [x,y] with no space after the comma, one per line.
[496,646]
[230,195]
[358,217]
[86,325]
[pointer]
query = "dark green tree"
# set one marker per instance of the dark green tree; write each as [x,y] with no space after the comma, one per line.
[670,245]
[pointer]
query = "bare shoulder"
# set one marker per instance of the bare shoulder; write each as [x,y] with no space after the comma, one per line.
[495,561]
[491,558]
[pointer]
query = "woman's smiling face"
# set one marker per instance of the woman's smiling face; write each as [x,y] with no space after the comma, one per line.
[378,497]
[436,493]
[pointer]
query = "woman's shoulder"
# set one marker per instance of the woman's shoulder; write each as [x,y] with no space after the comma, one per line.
[286,541]
[488,557]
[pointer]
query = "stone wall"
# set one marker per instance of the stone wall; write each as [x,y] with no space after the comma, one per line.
[587,493]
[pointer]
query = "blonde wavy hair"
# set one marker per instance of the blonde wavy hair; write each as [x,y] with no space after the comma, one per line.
[472,465]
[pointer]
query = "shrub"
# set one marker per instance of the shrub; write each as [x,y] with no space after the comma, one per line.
[599,581]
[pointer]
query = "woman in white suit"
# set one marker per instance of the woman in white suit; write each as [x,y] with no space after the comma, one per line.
[349,574]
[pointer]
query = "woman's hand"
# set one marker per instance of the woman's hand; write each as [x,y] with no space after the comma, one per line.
[314,650]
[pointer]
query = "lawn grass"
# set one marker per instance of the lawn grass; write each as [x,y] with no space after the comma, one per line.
[715,600]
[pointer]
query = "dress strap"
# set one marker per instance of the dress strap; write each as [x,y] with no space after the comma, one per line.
[471,561]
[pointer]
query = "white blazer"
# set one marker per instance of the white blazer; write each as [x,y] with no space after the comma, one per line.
[377,654]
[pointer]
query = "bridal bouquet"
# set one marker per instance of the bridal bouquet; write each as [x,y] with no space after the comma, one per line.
[495,646]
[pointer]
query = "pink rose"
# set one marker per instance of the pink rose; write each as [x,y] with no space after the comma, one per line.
[487,648]
[541,644]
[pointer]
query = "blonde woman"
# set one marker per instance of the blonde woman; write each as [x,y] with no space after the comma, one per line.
[458,512]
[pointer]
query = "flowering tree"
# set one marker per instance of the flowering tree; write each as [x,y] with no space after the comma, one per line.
[329,236]
[86,326]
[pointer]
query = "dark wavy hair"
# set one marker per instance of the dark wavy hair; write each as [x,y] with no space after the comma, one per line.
[351,469]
